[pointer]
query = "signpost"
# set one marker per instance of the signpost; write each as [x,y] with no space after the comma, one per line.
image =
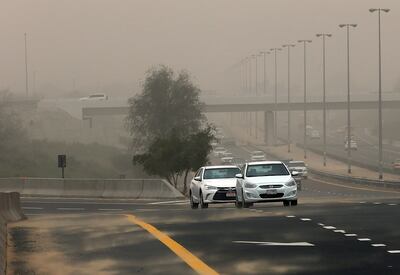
[62,163]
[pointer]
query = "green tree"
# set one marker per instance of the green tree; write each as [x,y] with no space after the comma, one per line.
[170,135]
[167,103]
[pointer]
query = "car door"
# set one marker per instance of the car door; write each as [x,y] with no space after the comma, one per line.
[239,182]
[196,184]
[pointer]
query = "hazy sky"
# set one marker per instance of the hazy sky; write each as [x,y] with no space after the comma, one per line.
[109,44]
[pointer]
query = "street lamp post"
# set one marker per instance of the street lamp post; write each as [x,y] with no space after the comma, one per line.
[288,46]
[256,93]
[305,94]
[348,95]
[264,53]
[324,35]
[26,67]
[276,92]
[380,92]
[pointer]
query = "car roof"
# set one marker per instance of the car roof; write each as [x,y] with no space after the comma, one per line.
[265,162]
[219,166]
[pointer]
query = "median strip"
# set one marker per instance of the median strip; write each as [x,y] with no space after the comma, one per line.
[195,263]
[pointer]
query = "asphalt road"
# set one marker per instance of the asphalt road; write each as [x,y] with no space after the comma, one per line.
[337,228]
[311,238]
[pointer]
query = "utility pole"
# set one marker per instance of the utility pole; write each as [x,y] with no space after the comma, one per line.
[26,68]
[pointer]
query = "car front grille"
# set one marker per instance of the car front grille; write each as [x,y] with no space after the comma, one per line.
[271,196]
[220,195]
[267,186]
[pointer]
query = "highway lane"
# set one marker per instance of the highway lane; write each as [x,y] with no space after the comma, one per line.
[265,239]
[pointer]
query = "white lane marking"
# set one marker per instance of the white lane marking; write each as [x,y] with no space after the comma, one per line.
[392,204]
[70,209]
[166,202]
[329,227]
[364,240]
[103,209]
[339,231]
[291,216]
[351,235]
[377,203]
[275,243]
[394,251]
[378,245]
[305,219]
[32,208]
[321,224]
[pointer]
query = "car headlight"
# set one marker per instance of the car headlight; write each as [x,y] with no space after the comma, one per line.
[210,187]
[291,183]
[250,185]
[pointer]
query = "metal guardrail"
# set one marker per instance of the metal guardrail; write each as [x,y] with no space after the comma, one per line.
[357,180]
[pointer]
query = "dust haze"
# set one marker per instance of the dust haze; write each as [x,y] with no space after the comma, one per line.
[106,46]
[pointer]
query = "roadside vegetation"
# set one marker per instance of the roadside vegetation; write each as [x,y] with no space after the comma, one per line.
[21,156]
[170,135]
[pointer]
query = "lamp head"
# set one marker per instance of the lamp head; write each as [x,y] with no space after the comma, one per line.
[385,10]
[342,25]
[372,10]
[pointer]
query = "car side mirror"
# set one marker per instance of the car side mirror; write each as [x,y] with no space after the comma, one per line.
[198,178]
[239,176]
[295,173]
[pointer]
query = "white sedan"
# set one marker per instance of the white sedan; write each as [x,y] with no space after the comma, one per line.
[213,184]
[266,181]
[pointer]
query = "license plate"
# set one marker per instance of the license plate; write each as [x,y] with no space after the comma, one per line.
[271,192]
[231,194]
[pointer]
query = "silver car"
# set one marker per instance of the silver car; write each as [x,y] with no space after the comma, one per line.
[266,181]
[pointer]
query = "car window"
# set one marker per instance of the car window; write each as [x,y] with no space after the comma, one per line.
[262,170]
[198,174]
[221,173]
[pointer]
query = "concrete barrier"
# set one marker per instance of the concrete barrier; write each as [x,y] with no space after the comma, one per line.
[91,188]
[10,211]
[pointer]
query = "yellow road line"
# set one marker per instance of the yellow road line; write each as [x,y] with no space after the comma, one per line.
[351,187]
[195,263]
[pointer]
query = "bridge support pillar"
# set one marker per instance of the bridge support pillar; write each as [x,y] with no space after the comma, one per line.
[269,128]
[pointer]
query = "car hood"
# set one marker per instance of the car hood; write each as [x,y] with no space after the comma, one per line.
[269,179]
[221,182]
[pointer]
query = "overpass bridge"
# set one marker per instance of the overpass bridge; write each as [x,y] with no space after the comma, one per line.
[251,104]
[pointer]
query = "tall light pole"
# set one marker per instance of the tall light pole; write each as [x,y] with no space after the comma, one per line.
[264,53]
[276,93]
[324,35]
[380,126]
[256,93]
[288,46]
[348,95]
[305,94]
[26,68]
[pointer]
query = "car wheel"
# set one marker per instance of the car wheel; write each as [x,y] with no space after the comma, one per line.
[238,203]
[286,203]
[293,203]
[202,203]
[245,204]
[193,205]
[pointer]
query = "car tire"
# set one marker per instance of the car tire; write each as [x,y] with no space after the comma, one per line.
[244,203]
[238,203]
[203,205]
[193,205]
[293,203]
[286,203]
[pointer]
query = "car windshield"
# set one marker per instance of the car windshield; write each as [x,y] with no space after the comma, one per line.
[221,173]
[297,164]
[262,170]
[96,96]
